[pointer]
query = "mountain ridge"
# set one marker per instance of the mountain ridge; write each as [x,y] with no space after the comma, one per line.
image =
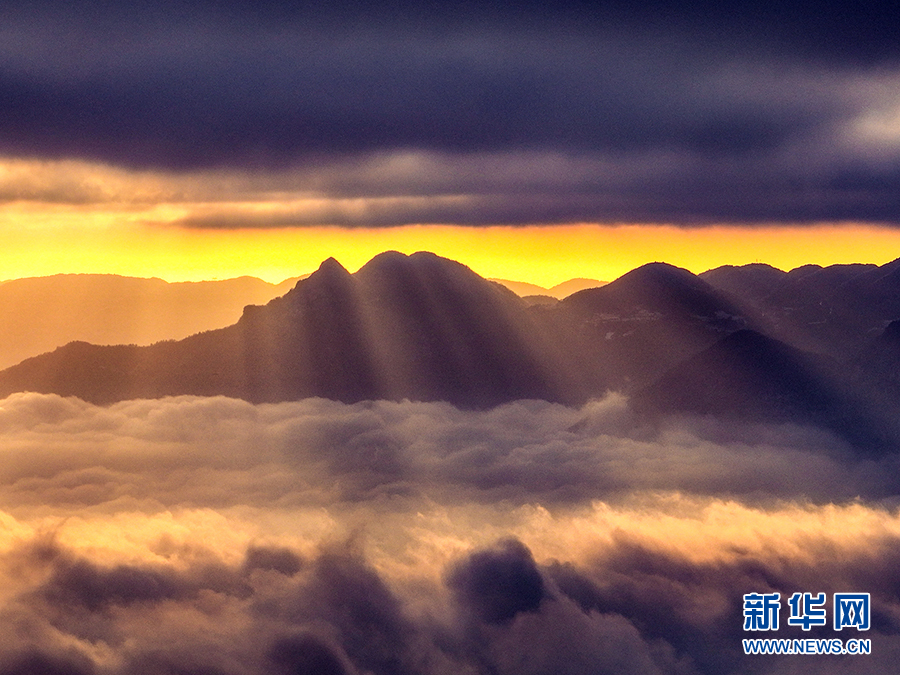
[427,328]
[39,314]
[438,332]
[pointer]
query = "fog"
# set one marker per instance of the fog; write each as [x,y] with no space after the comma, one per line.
[212,536]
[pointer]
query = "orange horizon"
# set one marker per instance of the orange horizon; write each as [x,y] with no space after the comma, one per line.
[543,255]
[82,217]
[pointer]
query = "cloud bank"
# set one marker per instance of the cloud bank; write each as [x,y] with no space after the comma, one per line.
[671,112]
[318,452]
[210,536]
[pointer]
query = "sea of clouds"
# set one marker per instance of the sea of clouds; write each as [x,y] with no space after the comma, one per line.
[209,536]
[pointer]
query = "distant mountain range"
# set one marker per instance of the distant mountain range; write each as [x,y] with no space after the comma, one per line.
[38,314]
[812,346]
[560,291]
[832,309]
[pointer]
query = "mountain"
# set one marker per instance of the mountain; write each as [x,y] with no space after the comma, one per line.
[634,328]
[425,328]
[745,373]
[522,288]
[567,288]
[41,313]
[750,282]
[879,362]
[750,376]
[559,291]
[835,310]
[418,327]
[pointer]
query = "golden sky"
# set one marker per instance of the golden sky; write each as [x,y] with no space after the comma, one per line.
[538,254]
[79,217]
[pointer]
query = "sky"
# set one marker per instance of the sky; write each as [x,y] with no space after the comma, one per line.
[533,141]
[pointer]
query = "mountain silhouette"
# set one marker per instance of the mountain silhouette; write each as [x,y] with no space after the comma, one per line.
[426,328]
[834,310]
[644,322]
[559,291]
[522,288]
[41,313]
[750,376]
[418,327]
[752,282]
[878,363]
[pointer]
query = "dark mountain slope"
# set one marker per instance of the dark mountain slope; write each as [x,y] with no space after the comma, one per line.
[434,321]
[834,310]
[634,328]
[750,283]
[426,328]
[750,376]
[878,363]
[419,327]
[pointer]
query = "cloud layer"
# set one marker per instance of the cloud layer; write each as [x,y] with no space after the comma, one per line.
[320,453]
[214,536]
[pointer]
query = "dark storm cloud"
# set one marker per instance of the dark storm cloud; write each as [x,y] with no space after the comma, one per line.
[80,584]
[498,584]
[33,662]
[220,103]
[305,655]
[755,110]
[631,609]
[671,600]
[865,34]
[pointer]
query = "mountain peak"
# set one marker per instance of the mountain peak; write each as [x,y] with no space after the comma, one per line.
[745,373]
[421,267]
[329,278]
[330,272]
[389,259]
[331,266]
[661,273]
[385,260]
[657,287]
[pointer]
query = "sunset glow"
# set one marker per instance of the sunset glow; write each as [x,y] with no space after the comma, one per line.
[223,453]
[68,241]
[67,216]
